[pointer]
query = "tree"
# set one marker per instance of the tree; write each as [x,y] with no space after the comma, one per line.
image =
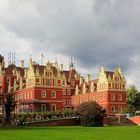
[133,100]
[90,113]
[9,106]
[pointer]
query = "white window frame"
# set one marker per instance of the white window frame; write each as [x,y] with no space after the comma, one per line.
[113,95]
[113,110]
[44,96]
[28,95]
[68,102]
[42,107]
[64,101]
[53,92]
[101,98]
[119,109]
[119,99]
[73,83]
[68,92]
[52,107]
[31,94]
[63,92]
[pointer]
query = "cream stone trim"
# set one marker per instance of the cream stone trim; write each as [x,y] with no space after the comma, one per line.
[113,103]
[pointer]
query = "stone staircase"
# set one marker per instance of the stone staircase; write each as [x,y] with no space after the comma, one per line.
[122,121]
[135,120]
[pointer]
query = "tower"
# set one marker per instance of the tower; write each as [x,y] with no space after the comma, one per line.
[71,64]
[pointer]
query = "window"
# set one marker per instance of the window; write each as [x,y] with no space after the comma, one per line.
[49,74]
[43,107]
[80,100]
[64,92]
[119,97]
[48,82]
[43,94]
[116,86]
[68,102]
[59,82]
[63,82]
[73,83]
[31,94]
[119,109]
[53,107]
[68,91]
[113,97]
[53,94]
[37,81]
[116,78]
[96,98]
[22,96]
[100,97]
[123,85]
[104,98]
[109,85]
[75,101]
[113,108]
[64,102]
[25,95]
[28,95]
[15,97]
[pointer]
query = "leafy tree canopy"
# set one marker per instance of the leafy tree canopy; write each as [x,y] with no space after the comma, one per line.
[133,99]
[90,113]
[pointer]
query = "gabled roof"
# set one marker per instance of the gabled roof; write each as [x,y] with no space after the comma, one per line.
[10,68]
[69,74]
[111,73]
[41,69]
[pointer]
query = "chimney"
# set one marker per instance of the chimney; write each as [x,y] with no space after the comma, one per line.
[61,67]
[25,73]
[22,63]
[88,78]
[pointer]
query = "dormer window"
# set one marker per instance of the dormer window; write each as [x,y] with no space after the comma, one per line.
[73,83]
[116,86]
[109,85]
[49,73]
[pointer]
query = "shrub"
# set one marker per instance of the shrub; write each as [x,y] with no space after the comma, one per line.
[90,113]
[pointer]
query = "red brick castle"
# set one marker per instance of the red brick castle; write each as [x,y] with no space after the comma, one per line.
[40,88]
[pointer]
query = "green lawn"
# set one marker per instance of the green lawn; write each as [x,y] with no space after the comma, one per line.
[71,133]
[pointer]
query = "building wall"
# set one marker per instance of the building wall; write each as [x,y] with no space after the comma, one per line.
[35,87]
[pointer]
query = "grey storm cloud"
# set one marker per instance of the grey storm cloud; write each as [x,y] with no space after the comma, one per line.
[95,32]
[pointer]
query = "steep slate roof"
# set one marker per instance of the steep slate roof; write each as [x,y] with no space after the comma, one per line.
[70,74]
[10,68]
[41,69]
[109,73]
[88,85]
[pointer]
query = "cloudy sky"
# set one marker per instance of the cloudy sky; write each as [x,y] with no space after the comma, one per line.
[94,32]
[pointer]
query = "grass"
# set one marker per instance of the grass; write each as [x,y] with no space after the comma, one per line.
[71,133]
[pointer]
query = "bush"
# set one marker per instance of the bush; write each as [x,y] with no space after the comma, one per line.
[91,114]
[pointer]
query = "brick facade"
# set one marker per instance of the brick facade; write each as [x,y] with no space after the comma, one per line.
[40,88]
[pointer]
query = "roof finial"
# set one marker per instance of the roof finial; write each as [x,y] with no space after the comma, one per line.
[42,56]
[102,68]
[30,57]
